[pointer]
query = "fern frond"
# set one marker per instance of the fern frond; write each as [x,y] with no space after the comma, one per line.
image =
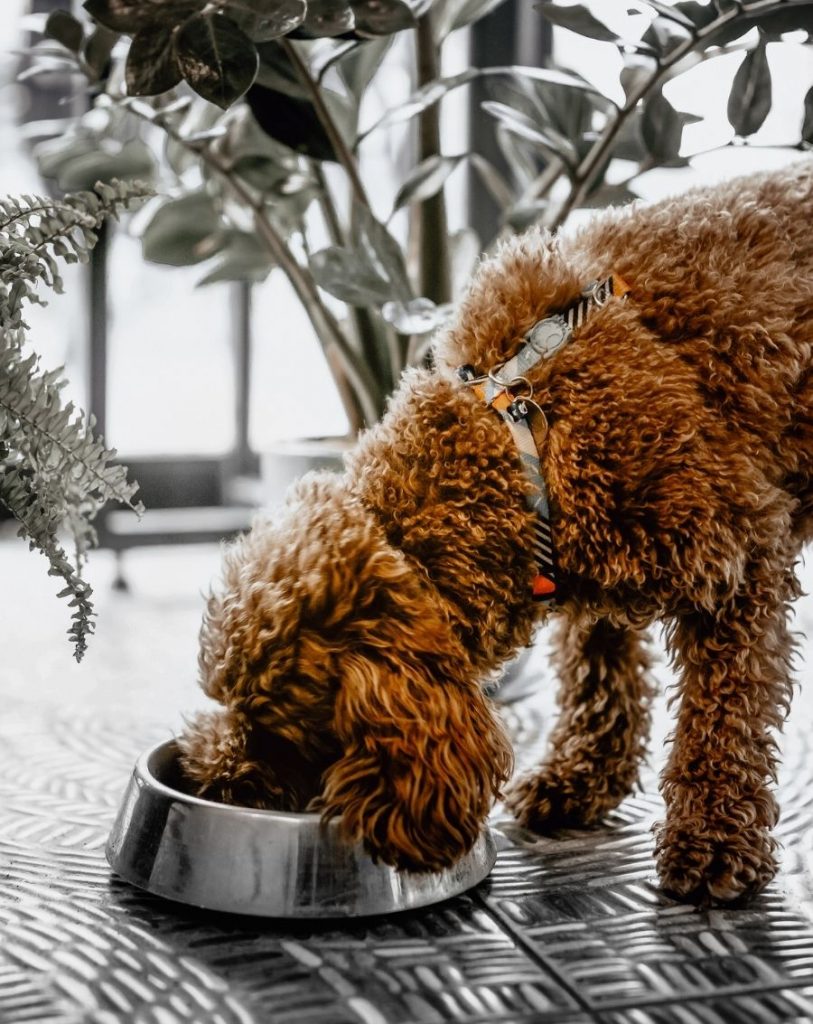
[55,474]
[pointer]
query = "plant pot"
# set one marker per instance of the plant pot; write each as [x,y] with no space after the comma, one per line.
[287,461]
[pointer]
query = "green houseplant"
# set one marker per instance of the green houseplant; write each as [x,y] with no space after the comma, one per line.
[250,112]
[54,473]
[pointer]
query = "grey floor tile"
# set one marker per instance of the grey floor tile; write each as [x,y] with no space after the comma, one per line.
[771,1007]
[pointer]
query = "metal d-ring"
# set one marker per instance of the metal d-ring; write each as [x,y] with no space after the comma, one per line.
[510,385]
[492,376]
[592,293]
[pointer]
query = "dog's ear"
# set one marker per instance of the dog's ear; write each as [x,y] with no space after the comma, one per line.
[423,762]
[228,757]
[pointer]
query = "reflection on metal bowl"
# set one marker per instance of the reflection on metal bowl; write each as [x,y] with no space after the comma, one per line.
[265,863]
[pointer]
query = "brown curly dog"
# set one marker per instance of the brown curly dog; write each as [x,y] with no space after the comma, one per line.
[352,636]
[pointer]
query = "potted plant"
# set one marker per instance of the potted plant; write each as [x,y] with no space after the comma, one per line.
[250,109]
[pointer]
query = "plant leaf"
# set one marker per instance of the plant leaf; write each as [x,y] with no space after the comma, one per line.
[699,15]
[427,179]
[453,14]
[83,170]
[385,253]
[520,124]
[152,67]
[637,70]
[119,15]
[183,231]
[578,19]
[673,13]
[629,142]
[216,58]
[98,49]
[794,14]
[326,19]
[664,34]
[661,127]
[56,475]
[130,15]
[492,179]
[359,65]
[420,100]
[290,121]
[545,76]
[263,20]
[62,26]
[432,92]
[520,156]
[242,259]
[382,17]
[751,92]
[351,279]
[276,71]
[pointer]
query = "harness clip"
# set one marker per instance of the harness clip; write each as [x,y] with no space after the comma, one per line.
[466,373]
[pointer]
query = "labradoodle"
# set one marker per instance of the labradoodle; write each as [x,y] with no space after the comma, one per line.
[352,635]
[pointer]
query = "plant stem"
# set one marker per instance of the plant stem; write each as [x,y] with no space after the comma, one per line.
[365,328]
[367,333]
[328,206]
[364,407]
[593,160]
[340,147]
[435,273]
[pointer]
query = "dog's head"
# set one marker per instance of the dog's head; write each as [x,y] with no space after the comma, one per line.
[344,687]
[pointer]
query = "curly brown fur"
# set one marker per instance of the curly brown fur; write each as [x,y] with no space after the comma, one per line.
[346,688]
[600,737]
[352,634]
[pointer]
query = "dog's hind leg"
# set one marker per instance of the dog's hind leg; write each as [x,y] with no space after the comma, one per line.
[600,737]
[716,844]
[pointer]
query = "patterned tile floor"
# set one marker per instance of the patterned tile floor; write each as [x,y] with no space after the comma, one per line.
[570,929]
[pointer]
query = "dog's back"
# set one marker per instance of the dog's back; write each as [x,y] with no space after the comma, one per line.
[724,276]
[717,328]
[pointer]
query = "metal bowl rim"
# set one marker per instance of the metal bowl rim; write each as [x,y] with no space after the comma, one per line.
[155,785]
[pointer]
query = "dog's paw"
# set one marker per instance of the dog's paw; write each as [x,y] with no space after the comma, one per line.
[547,800]
[710,868]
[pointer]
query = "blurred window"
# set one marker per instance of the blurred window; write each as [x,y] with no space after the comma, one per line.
[171,381]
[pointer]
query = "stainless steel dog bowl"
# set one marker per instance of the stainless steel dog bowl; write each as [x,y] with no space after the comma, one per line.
[265,863]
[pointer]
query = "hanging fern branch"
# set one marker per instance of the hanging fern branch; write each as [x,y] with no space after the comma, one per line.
[55,474]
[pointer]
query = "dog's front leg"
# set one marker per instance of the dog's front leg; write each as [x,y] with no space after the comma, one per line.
[716,843]
[601,734]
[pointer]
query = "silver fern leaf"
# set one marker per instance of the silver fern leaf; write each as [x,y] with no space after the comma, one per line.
[55,474]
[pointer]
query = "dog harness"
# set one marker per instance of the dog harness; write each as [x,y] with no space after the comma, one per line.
[506,389]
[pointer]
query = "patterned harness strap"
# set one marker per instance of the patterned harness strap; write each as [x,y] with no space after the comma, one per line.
[507,389]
